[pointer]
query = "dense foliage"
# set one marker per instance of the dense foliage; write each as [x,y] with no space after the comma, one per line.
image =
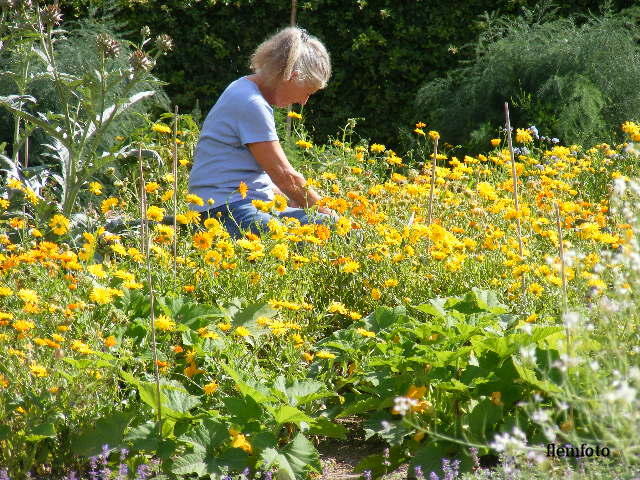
[382,50]
[556,73]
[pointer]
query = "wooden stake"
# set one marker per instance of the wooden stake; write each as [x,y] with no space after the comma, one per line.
[175,192]
[563,275]
[514,176]
[292,22]
[433,179]
[145,238]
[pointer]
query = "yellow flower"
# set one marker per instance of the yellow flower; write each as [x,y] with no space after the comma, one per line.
[161,128]
[240,441]
[295,115]
[152,187]
[304,144]
[434,135]
[224,326]
[325,355]
[281,270]
[350,267]
[535,289]
[243,189]
[419,131]
[59,224]
[110,341]
[377,148]
[192,370]
[101,295]
[165,323]
[97,270]
[22,326]
[210,388]
[95,188]
[166,196]
[108,204]
[195,199]
[242,332]
[202,240]
[343,226]
[495,142]
[391,282]
[38,371]
[280,251]
[365,333]
[376,294]
[27,295]
[155,213]
[279,203]
[523,136]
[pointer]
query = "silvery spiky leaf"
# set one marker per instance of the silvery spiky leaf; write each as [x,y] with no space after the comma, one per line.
[51,15]
[164,43]
[140,61]
[107,45]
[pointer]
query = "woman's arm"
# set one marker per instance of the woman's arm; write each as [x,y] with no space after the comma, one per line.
[273,160]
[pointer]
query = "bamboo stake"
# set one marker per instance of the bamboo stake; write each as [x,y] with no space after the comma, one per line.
[292,22]
[175,192]
[145,238]
[561,252]
[433,179]
[514,176]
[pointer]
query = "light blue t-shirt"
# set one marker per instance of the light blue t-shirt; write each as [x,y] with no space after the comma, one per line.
[222,160]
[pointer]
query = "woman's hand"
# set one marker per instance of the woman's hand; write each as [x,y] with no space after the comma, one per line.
[328,211]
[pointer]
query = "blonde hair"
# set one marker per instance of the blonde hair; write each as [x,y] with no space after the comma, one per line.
[291,50]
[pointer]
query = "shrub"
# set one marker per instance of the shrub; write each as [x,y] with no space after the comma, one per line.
[557,73]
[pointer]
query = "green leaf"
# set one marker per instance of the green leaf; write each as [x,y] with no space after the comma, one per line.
[5,432]
[325,427]
[384,317]
[289,414]
[435,307]
[294,460]
[256,391]
[484,420]
[478,300]
[243,409]
[300,393]
[45,430]
[429,457]
[143,436]
[206,436]
[107,430]
[190,463]
[175,401]
[364,405]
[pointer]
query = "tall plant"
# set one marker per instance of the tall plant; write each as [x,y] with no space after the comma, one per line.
[89,101]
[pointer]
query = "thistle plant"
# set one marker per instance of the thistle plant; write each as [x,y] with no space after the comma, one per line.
[88,101]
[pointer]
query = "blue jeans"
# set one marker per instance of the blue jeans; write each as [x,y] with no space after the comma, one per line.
[242,216]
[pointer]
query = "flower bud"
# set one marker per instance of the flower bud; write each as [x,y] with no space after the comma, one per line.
[145,32]
[164,43]
[140,61]
[51,15]
[107,45]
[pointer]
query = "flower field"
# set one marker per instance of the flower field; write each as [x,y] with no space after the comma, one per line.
[448,318]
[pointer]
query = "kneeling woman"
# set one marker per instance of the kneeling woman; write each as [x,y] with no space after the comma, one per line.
[239,143]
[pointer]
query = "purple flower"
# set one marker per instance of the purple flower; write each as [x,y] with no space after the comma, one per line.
[93,468]
[268,475]
[418,471]
[4,475]
[143,471]
[433,476]
[474,457]
[367,474]
[72,476]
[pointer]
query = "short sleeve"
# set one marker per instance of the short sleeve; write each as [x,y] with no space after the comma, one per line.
[256,123]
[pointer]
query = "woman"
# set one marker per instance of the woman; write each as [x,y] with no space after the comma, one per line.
[238,142]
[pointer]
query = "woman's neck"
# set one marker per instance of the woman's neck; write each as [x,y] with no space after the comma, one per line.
[266,91]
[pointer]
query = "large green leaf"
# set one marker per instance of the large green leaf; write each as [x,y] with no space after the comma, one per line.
[429,458]
[256,391]
[384,317]
[143,436]
[40,432]
[484,420]
[478,300]
[288,414]
[206,436]
[107,430]
[325,427]
[301,392]
[294,460]
[175,401]
[214,466]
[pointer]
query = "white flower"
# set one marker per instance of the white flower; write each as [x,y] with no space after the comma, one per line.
[608,305]
[510,444]
[619,186]
[571,319]
[528,354]
[540,416]
[402,405]
[623,393]
[595,366]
